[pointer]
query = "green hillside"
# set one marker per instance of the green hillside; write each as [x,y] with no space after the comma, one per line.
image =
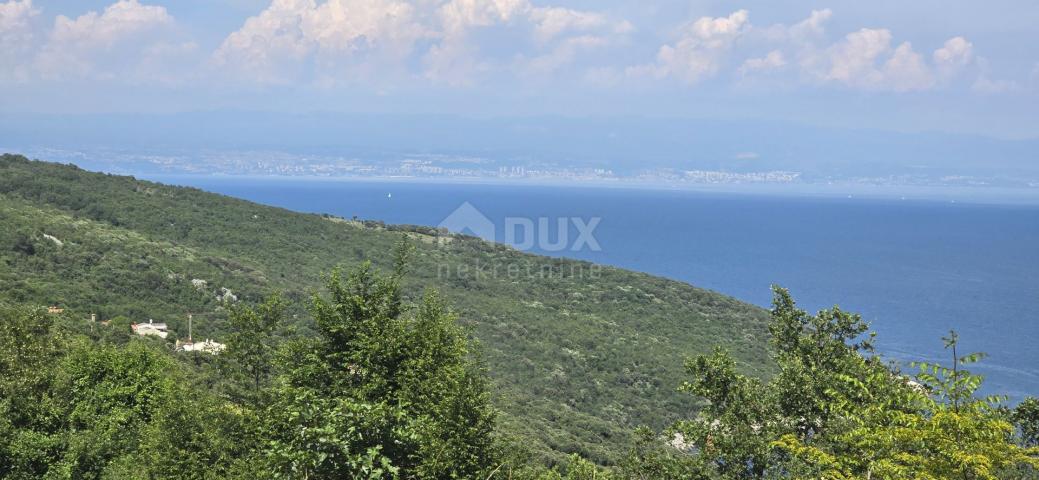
[579,354]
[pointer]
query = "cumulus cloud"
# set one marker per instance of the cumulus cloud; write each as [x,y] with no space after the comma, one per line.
[334,42]
[269,45]
[16,36]
[808,30]
[461,15]
[853,61]
[15,30]
[956,55]
[906,70]
[454,59]
[560,35]
[700,51]
[345,36]
[75,47]
[867,60]
[812,27]
[553,21]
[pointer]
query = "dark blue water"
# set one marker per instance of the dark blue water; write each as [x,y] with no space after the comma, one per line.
[914,269]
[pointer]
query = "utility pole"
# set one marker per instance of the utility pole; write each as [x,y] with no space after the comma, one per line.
[189,330]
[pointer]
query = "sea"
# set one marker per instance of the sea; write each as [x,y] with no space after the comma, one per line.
[913,267]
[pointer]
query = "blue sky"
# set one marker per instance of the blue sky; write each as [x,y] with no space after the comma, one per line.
[947,66]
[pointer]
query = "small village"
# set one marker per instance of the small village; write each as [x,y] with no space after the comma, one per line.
[161,330]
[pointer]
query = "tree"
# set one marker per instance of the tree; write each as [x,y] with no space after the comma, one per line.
[388,389]
[31,413]
[1026,417]
[252,344]
[74,408]
[837,411]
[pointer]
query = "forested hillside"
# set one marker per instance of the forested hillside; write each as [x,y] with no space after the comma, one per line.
[578,355]
[337,367]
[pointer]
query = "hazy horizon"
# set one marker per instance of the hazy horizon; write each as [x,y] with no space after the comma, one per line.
[704,92]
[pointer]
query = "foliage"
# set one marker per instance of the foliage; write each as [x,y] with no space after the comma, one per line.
[383,382]
[252,343]
[578,355]
[1026,416]
[387,389]
[73,408]
[836,411]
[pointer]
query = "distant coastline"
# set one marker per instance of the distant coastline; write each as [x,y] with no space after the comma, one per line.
[988,195]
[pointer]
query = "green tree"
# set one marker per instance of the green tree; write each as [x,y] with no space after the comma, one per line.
[1026,417]
[837,411]
[74,408]
[31,413]
[388,389]
[252,343]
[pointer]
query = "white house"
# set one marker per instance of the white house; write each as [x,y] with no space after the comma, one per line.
[151,328]
[208,346]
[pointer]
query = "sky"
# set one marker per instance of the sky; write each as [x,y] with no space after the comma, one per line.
[951,66]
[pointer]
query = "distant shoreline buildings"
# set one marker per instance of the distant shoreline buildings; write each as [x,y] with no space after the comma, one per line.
[450,167]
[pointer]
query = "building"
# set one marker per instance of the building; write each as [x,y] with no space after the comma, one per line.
[53,310]
[208,346]
[151,328]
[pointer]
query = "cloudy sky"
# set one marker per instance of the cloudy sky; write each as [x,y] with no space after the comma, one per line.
[921,65]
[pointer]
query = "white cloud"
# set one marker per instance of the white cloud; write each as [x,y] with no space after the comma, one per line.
[269,45]
[957,52]
[700,51]
[15,30]
[812,27]
[344,37]
[460,15]
[552,21]
[382,42]
[772,61]
[454,60]
[866,60]
[953,57]
[906,70]
[853,61]
[560,35]
[76,46]
[16,36]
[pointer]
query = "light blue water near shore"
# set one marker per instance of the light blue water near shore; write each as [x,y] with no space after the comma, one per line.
[915,269]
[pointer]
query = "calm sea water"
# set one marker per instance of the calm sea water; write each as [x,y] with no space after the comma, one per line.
[914,269]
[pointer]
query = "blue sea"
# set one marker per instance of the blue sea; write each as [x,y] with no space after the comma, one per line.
[913,268]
